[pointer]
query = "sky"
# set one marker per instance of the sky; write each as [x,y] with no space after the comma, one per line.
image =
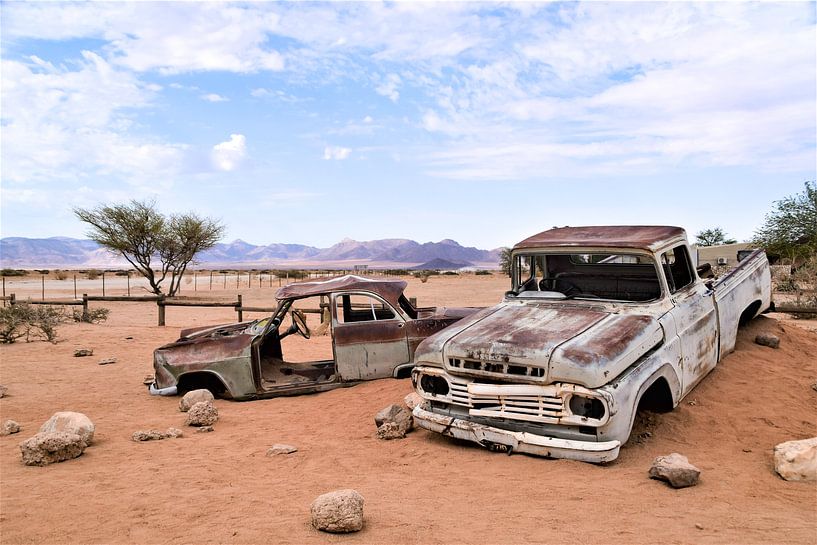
[479,122]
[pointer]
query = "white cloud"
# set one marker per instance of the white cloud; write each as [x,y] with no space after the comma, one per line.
[213,97]
[260,92]
[227,156]
[336,152]
[388,87]
[368,119]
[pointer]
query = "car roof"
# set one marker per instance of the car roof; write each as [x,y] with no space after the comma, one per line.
[389,289]
[644,237]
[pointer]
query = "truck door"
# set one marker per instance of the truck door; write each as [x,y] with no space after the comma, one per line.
[369,336]
[695,316]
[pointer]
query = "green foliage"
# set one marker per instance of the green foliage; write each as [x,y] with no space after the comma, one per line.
[505,261]
[396,272]
[24,320]
[159,247]
[790,229]
[451,273]
[713,237]
[94,315]
[13,272]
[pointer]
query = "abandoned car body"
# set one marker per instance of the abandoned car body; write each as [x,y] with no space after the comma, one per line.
[374,332]
[598,321]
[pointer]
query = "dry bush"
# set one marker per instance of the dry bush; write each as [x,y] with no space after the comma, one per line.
[93,316]
[61,275]
[26,321]
[93,274]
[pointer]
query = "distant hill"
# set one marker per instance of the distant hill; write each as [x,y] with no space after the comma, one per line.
[63,252]
[440,265]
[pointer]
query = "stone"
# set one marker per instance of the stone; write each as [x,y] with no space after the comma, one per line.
[676,470]
[813,387]
[203,413]
[194,396]
[397,415]
[107,361]
[9,427]
[413,400]
[390,430]
[82,352]
[340,511]
[174,433]
[205,429]
[797,460]
[3,391]
[280,448]
[764,339]
[70,422]
[149,435]
[49,447]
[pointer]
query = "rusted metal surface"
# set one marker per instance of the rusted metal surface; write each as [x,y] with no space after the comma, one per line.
[545,366]
[246,358]
[646,237]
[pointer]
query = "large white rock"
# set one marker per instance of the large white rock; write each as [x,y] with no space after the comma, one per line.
[194,396]
[396,420]
[340,511]
[797,460]
[49,447]
[70,422]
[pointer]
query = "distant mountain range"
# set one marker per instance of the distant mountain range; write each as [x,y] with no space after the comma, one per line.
[62,252]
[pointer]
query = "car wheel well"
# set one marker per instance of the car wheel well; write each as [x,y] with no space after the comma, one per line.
[657,398]
[202,381]
[749,313]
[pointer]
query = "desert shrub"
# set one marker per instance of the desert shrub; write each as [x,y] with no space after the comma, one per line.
[61,275]
[24,320]
[396,272]
[122,273]
[94,316]
[483,273]
[13,272]
[451,273]
[93,274]
[42,271]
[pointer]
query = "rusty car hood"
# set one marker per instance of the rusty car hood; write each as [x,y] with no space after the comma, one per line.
[546,343]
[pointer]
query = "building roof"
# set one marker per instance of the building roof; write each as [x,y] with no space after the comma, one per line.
[643,237]
[388,289]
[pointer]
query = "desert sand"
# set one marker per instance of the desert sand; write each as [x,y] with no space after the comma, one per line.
[220,487]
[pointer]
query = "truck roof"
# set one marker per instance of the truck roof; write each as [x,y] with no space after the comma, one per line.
[643,237]
[389,289]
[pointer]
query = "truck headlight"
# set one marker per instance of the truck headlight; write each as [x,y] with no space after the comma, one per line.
[433,385]
[589,407]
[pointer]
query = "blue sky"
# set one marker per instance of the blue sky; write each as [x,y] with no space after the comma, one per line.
[484,123]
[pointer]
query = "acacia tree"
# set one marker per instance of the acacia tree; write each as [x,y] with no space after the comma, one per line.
[712,237]
[505,260]
[157,246]
[790,229]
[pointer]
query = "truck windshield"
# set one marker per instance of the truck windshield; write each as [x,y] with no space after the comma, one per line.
[598,275]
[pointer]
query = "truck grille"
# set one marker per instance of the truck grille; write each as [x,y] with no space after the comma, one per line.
[496,368]
[534,408]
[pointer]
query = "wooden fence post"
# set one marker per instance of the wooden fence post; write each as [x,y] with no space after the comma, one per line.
[128,276]
[75,286]
[211,280]
[103,283]
[43,293]
[160,302]
[240,310]
[85,316]
[4,291]
[12,300]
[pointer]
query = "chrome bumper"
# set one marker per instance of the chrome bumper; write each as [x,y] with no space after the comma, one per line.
[513,441]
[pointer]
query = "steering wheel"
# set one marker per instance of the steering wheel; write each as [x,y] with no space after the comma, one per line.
[299,324]
[550,284]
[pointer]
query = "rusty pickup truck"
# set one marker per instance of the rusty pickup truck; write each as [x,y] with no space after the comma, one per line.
[600,321]
[370,330]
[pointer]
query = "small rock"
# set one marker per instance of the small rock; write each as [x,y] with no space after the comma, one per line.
[278,448]
[397,415]
[412,400]
[340,511]
[692,402]
[203,413]
[771,341]
[205,429]
[813,387]
[3,391]
[82,352]
[390,430]
[747,450]
[174,433]
[699,526]
[107,361]
[128,338]
[797,460]
[192,397]
[676,470]
[149,435]
[70,422]
[50,447]
[9,427]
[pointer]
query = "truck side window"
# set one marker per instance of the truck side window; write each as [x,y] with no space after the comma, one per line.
[677,268]
[361,308]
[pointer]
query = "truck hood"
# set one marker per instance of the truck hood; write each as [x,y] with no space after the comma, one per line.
[534,342]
